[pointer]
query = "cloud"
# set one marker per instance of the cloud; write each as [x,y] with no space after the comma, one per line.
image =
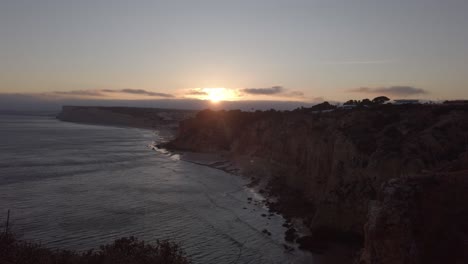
[275,90]
[295,94]
[79,93]
[264,91]
[392,90]
[104,93]
[138,92]
[196,92]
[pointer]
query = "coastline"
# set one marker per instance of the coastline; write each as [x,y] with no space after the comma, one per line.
[223,161]
[197,202]
[332,177]
[284,203]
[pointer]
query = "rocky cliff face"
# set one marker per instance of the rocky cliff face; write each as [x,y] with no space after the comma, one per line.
[419,219]
[338,161]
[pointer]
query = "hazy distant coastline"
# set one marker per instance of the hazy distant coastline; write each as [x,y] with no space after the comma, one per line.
[146,118]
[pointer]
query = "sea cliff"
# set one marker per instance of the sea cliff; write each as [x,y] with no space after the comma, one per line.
[148,118]
[389,176]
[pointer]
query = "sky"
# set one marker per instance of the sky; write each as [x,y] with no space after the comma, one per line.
[272,50]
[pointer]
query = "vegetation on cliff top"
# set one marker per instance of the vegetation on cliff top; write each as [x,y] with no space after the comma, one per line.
[122,251]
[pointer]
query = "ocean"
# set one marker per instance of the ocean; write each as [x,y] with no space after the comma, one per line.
[77,186]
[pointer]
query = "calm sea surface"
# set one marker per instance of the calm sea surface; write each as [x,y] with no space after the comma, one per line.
[77,186]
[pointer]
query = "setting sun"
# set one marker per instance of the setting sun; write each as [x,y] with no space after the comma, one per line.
[216,94]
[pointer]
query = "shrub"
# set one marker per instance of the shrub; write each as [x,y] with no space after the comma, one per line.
[124,250]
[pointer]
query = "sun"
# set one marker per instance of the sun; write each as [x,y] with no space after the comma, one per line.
[216,95]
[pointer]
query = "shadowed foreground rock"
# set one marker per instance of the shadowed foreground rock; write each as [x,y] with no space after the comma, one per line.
[419,220]
[121,251]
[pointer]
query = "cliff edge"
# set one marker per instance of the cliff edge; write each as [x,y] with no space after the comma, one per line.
[378,174]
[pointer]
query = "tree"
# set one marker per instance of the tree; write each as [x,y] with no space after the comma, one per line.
[322,107]
[350,102]
[366,102]
[380,99]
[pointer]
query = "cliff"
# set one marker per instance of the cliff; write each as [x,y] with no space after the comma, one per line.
[339,164]
[125,116]
[419,220]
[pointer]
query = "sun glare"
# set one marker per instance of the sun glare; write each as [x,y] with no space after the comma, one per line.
[216,95]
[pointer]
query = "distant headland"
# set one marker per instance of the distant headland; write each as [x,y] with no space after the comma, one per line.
[148,118]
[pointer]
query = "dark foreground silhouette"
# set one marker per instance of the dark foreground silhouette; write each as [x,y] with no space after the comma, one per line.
[124,250]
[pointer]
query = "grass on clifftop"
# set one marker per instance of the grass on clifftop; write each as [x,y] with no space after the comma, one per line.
[122,251]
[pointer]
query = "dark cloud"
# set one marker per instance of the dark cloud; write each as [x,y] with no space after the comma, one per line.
[392,90]
[196,92]
[79,93]
[139,92]
[102,93]
[295,94]
[264,91]
[275,90]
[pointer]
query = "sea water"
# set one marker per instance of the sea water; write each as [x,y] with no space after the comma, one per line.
[77,186]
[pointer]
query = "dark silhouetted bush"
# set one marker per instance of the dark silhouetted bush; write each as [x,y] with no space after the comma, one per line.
[122,251]
[380,99]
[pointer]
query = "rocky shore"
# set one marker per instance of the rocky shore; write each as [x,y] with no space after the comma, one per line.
[388,180]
